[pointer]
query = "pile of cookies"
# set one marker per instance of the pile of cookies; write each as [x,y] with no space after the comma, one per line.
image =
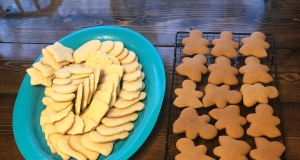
[255,91]
[92,96]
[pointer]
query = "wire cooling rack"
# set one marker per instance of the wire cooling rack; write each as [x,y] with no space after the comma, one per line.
[174,112]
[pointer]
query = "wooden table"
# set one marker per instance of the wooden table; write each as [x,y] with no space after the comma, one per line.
[28,26]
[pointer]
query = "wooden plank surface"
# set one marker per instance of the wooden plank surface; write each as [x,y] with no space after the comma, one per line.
[30,25]
[156,20]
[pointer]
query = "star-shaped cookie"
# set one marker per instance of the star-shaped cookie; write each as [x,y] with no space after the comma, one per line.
[36,77]
[61,53]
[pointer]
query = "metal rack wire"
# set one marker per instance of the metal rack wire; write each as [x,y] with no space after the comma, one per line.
[174,112]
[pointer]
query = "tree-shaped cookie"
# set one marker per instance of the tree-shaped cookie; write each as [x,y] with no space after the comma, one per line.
[231,148]
[188,96]
[263,123]
[220,96]
[225,46]
[195,43]
[222,72]
[229,118]
[255,72]
[193,68]
[267,150]
[190,151]
[194,125]
[257,93]
[255,45]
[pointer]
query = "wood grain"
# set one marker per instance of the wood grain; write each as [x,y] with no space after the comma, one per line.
[156,20]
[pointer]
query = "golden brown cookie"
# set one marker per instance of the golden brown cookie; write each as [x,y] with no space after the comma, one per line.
[191,152]
[193,125]
[255,72]
[255,45]
[225,46]
[193,68]
[257,93]
[221,72]
[195,43]
[267,150]
[231,148]
[263,123]
[220,96]
[229,118]
[188,96]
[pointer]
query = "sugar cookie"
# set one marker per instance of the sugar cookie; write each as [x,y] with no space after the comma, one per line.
[97,137]
[195,43]
[63,145]
[190,151]
[117,49]
[193,125]
[61,97]
[107,131]
[121,103]
[75,144]
[79,54]
[46,70]
[102,148]
[61,52]
[107,46]
[193,68]
[117,112]
[37,78]
[225,46]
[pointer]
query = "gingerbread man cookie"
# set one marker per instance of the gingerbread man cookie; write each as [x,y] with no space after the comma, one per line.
[231,148]
[225,46]
[255,45]
[267,150]
[220,96]
[229,118]
[255,72]
[195,43]
[193,68]
[222,72]
[257,93]
[191,152]
[263,123]
[194,125]
[188,96]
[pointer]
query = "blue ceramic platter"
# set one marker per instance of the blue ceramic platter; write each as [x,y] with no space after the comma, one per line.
[28,106]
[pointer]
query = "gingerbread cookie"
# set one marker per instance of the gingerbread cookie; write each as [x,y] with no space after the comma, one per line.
[188,96]
[257,93]
[221,72]
[193,125]
[220,96]
[231,148]
[255,45]
[191,152]
[229,118]
[195,43]
[267,150]
[263,123]
[225,46]
[193,68]
[255,72]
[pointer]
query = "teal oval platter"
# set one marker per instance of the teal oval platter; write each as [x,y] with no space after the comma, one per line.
[26,127]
